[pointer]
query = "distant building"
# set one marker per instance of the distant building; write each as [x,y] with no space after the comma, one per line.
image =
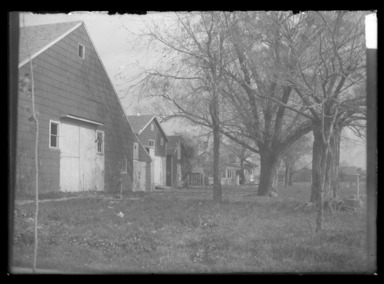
[152,136]
[348,174]
[230,168]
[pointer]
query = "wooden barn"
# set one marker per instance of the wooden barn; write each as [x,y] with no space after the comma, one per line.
[152,136]
[85,140]
[174,149]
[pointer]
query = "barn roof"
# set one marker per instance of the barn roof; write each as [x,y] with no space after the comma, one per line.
[140,122]
[41,37]
[349,171]
[173,141]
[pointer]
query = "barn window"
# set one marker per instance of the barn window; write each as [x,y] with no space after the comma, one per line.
[135,150]
[81,51]
[124,165]
[100,141]
[151,143]
[53,134]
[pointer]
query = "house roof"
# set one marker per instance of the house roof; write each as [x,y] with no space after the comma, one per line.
[173,142]
[41,37]
[349,171]
[140,122]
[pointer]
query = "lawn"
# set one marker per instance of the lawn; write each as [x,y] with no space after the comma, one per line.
[183,231]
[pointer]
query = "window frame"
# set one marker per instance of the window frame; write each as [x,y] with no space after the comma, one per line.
[57,135]
[154,143]
[83,49]
[102,142]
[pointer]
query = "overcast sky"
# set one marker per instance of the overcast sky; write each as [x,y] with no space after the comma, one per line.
[114,38]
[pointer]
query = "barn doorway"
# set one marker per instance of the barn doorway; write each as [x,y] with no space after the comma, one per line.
[81,157]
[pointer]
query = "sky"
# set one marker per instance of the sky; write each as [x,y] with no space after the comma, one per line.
[115,38]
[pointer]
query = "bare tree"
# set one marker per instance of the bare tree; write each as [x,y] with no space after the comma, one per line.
[187,82]
[325,73]
[255,87]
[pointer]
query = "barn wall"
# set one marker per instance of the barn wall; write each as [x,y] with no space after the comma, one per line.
[67,84]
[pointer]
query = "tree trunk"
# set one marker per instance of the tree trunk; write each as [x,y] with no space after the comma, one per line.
[268,163]
[331,187]
[319,164]
[242,177]
[217,192]
[319,160]
[335,146]
[288,174]
[290,181]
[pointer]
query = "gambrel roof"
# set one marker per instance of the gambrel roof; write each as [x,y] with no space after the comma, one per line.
[140,122]
[41,37]
[173,142]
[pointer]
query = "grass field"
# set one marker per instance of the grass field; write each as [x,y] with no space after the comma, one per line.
[183,231]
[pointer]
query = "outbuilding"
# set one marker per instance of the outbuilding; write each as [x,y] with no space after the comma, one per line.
[85,140]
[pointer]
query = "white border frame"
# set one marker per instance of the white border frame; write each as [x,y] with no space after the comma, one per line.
[57,136]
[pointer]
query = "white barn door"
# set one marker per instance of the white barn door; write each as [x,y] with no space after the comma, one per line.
[81,168]
[139,176]
[159,164]
[69,158]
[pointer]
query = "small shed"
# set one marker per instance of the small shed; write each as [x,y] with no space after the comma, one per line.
[349,174]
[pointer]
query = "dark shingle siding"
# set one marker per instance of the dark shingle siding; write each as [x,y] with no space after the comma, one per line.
[148,134]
